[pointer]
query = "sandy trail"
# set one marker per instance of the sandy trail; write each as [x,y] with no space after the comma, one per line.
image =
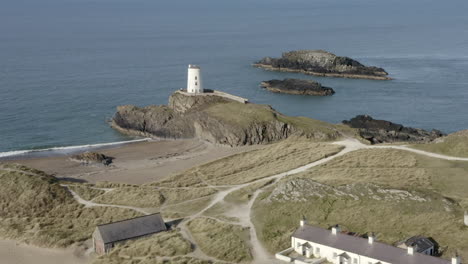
[91,204]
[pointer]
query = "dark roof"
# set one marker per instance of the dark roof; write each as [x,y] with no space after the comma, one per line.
[361,246]
[420,243]
[132,228]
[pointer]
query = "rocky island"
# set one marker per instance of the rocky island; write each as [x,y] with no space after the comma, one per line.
[218,120]
[321,63]
[297,86]
[381,131]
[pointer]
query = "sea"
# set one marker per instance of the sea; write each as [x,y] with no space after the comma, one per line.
[65,65]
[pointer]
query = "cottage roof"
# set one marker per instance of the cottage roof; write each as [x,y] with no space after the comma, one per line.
[379,251]
[131,228]
[420,243]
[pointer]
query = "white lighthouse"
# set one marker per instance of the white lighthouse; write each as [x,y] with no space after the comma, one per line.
[194,81]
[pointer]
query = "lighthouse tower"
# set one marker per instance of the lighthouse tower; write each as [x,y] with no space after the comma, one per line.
[194,81]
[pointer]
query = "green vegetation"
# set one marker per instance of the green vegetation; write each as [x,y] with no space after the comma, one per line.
[253,165]
[155,260]
[455,144]
[243,195]
[396,194]
[34,208]
[86,192]
[164,244]
[221,240]
[186,208]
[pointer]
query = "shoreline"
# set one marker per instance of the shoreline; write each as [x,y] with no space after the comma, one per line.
[134,163]
[338,75]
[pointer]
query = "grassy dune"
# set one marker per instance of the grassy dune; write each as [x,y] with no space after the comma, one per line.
[221,240]
[86,192]
[35,209]
[253,165]
[455,144]
[405,194]
[165,244]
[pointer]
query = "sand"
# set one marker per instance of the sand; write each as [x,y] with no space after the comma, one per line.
[13,253]
[136,163]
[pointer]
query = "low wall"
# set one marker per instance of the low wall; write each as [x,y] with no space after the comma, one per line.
[282,255]
[217,93]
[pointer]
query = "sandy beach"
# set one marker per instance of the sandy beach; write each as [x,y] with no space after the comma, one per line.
[136,163]
[13,253]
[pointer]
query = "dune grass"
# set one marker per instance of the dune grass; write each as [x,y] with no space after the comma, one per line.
[86,192]
[35,209]
[442,183]
[455,144]
[164,244]
[243,195]
[221,240]
[253,165]
[151,197]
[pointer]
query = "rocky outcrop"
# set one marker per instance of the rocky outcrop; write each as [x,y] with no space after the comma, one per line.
[381,131]
[89,158]
[214,119]
[322,63]
[297,86]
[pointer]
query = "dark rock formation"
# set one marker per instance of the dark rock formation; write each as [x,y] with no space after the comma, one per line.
[322,63]
[88,158]
[381,131]
[297,86]
[215,119]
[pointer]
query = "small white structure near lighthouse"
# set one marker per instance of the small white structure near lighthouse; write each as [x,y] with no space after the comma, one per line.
[194,80]
[466,218]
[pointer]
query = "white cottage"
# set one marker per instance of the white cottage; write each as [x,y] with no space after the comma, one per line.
[316,245]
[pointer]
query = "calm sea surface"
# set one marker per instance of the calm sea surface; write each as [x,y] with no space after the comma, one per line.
[66,64]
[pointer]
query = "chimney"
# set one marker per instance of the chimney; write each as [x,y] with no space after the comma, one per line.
[456,259]
[371,238]
[466,218]
[336,229]
[411,250]
[303,222]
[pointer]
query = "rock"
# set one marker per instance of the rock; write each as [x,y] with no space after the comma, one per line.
[381,131]
[88,158]
[322,63]
[297,86]
[214,119]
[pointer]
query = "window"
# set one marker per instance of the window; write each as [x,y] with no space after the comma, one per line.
[196,78]
[298,244]
[317,250]
[355,261]
[196,83]
[335,255]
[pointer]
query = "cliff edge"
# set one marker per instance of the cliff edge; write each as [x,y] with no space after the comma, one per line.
[217,120]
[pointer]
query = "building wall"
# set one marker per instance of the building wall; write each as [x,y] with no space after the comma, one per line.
[332,254]
[98,244]
[194,81]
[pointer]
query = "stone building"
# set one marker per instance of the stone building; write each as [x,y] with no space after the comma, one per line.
[106,236]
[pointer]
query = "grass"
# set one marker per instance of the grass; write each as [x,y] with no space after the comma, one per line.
[156,260]
[86,192]
[151,197]
[253,165]
[164,244]
[186,208]
[441,183]
[35,209]
[221,240]
[455,144]
[243,195]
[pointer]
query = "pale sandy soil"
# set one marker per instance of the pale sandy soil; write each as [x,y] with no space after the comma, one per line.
[13,253]
[137,163]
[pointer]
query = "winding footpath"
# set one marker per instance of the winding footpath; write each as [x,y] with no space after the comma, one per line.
[244,213]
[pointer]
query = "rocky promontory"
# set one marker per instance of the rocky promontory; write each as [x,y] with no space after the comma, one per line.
[381,131]
[217,119]
[321,63]
[88,158]
[297,86]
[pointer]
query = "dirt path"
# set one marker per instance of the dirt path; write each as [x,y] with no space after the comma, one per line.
[92,204]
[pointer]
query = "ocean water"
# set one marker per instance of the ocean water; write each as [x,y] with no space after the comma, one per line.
[66,64]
